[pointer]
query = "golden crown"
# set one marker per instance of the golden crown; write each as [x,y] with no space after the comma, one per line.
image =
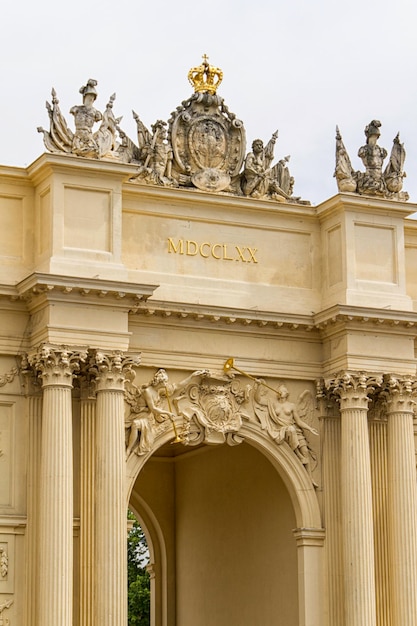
[205,78]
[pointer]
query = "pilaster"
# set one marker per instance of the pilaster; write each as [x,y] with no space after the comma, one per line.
[332,515]
[34,456]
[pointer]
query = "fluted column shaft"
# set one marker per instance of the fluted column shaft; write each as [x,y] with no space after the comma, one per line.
[56,366]
[111,517]
[356,488]
[402,498]
[378,449]
[87,506]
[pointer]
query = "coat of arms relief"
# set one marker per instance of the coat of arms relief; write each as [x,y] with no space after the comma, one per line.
[209,408]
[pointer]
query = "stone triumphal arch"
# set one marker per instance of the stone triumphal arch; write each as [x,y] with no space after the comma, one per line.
[185,336]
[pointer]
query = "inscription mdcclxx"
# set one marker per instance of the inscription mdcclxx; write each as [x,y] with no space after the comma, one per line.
[219,251]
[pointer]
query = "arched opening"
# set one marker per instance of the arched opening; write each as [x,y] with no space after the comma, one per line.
[138,579]
[220,520]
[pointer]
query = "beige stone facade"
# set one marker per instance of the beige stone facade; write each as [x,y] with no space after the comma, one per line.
[290,495]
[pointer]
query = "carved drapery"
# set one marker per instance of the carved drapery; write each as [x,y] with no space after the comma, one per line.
[400,394]
[56,365]
[110,372]
[352,392]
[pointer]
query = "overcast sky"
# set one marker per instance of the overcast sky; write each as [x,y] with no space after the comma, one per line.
[300,66]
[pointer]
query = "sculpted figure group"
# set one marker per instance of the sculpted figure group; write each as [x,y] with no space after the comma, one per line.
[202,146]
[373,181]
[83,142]
[208,408]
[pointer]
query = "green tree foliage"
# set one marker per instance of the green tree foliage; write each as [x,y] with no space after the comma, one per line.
[139,596]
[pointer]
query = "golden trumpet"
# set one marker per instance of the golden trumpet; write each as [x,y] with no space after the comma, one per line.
[230,365]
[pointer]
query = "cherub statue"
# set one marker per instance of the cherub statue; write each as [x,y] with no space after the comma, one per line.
[156,154]
[283,420]
[259,180]
[153,402]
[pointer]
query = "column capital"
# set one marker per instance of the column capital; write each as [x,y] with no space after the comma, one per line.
[111,369]
[57,365]
[352,389]
[399,393]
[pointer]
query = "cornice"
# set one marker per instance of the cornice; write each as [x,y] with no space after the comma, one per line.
[39,283]
[49,163]
[364,204]
[340,314]
[14,175]
[194,313]
[365,316]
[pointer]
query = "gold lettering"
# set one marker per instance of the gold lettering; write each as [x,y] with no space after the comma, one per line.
[252,253]
[206,256]
[225,257]
[172,248]
[240,253]
[216,245]
[189,243]
[219,251]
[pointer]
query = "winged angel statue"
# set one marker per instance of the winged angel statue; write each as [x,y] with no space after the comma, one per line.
[151,405]
[287,421]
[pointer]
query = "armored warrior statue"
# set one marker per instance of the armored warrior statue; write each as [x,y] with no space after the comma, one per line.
[373,181]
[83,142]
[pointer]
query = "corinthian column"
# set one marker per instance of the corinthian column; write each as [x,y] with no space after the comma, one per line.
[402,501]
[56,366]
[111,518]
[356,498]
